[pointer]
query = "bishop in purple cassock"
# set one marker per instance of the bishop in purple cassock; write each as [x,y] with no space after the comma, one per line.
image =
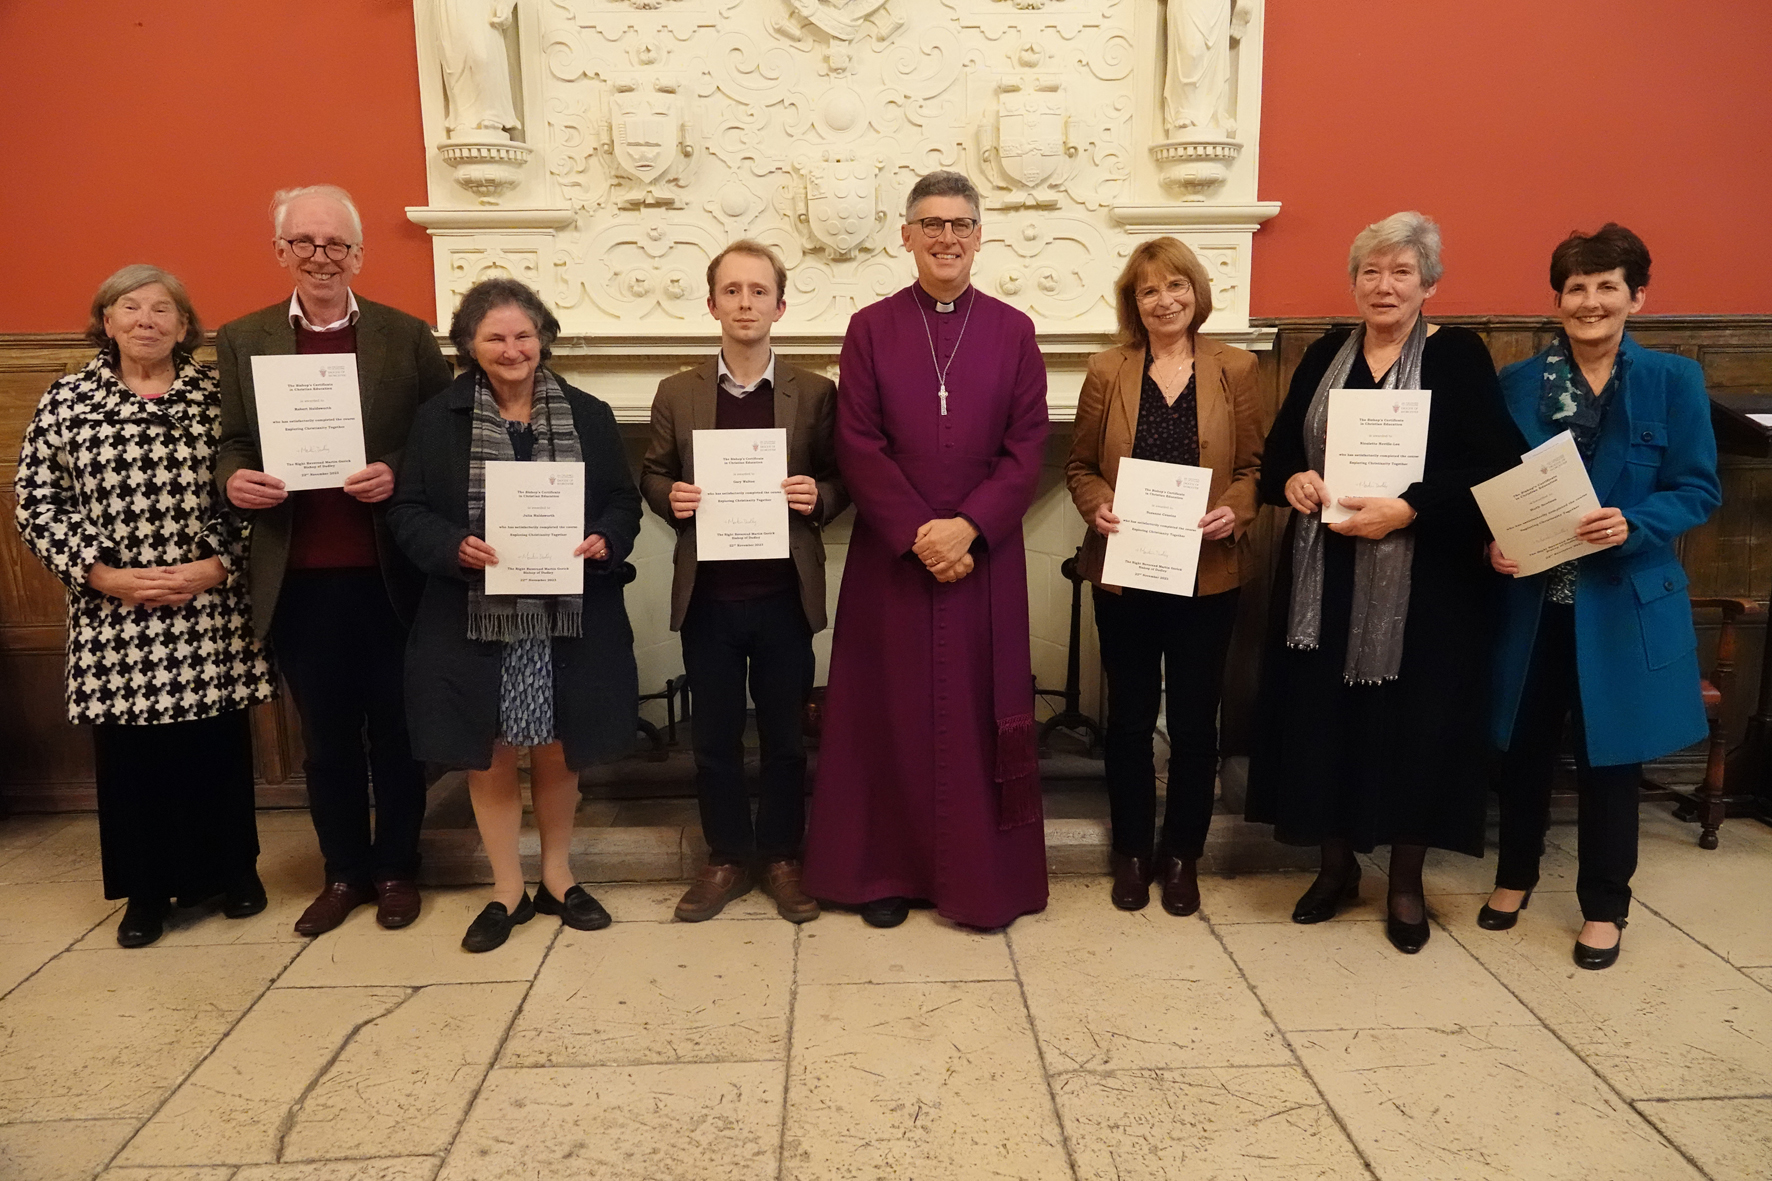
[928,781]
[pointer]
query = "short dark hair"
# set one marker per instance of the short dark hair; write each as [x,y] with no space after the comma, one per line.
[484,297]
[942,184]
[1609,248]
[1164,256]
[755,249]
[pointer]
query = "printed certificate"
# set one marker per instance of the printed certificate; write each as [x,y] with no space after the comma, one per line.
[743,511]
[310,419]
[535,518]
[1158,545]
[1377,445]
[1533,510]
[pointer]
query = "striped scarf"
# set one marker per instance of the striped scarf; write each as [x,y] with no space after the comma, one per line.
[514,617]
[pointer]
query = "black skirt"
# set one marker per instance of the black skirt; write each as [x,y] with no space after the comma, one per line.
[175,806]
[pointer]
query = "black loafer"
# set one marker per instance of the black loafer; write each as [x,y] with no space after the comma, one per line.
[144,920]
[1491,919]
[1320,903]
[577,910]
[244,898]
[493,926]
[1592,958]
[886,912]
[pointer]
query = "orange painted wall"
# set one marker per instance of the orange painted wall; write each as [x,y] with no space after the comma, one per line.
[157,132]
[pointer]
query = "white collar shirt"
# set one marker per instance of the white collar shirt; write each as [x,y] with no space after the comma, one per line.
[730,383]
[300,320]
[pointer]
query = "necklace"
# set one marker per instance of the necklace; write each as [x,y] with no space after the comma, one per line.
[941,371]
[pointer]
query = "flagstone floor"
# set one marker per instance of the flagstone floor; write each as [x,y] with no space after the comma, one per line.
[1081,1043]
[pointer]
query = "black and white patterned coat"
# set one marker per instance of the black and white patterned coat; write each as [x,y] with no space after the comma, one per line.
[105,475]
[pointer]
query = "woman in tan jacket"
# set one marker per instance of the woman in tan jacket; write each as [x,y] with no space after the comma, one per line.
[1167,395]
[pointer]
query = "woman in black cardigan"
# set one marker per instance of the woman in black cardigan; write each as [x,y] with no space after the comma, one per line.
[486,674]
[1374,684]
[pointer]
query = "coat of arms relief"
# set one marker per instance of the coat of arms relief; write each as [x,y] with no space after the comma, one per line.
[666,128]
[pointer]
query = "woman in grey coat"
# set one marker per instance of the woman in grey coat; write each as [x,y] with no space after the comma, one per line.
[487,674]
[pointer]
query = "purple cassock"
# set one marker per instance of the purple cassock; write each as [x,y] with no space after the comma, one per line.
[928,779]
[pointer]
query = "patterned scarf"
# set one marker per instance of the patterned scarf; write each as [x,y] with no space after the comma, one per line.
[1566,399]
[1381,568]
[514,617]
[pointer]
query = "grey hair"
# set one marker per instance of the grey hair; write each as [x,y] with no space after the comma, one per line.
[1411,230]
[284,198]
[134,277]
[489,294]
[942,184]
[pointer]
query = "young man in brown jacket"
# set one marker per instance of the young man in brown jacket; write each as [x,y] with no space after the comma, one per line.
[747,621]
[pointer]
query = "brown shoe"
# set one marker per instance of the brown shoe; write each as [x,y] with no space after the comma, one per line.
[1132,881]
[1181,885]
[396,902]
[709,893]
[332,907]
[781,881]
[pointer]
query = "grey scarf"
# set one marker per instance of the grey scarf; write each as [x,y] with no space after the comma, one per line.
[1381,568]
[515,617]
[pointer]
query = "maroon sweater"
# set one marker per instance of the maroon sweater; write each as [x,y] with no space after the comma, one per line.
[332,530]
[747,578]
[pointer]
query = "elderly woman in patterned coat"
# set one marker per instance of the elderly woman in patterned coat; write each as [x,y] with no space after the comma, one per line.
[115,497]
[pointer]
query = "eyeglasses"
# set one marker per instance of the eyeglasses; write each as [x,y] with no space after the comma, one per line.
[1175,288]
[336,251]
[933,226]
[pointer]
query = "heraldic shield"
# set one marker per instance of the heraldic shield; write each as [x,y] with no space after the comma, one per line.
[643,131]
[1030,134]
[842,203]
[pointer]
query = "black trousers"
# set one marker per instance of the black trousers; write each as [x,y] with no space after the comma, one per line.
[770,640]
[1146,638]
[343,651]
[1607,795]
[175,808]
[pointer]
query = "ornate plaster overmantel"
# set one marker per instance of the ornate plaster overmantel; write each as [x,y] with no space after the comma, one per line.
[604,150]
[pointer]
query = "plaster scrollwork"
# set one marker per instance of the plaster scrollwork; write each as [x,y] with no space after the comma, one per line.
[469,265]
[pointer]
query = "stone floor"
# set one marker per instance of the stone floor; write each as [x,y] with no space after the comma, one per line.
[1081,1043]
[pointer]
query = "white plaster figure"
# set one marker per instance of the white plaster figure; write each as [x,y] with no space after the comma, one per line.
[476,70]
[1198,86]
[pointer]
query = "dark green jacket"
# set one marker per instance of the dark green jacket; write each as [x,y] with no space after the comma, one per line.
[398,367]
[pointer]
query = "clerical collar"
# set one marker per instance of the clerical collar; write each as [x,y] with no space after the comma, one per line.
[942,308]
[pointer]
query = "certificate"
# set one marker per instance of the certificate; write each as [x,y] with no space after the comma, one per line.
[535,518]
[1533,509]
[1158,545]
[743,511]
[1377,445]
[310,419]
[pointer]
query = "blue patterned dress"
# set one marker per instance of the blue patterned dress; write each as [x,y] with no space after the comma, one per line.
[526,686]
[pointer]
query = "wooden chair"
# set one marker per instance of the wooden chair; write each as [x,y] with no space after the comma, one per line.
[1708,804]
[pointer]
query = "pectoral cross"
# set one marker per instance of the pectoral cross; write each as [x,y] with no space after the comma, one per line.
[944,399]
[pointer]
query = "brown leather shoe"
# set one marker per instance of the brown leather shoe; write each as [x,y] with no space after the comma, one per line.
[396,902]
[332,907]
[1181,885]
[781,881]
[709,893]
[1132,881]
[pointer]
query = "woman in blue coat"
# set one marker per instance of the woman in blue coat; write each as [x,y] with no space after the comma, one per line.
[1607,637]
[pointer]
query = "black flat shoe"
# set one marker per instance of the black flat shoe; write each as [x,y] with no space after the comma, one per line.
[886,912]
[244,898]
[577,910]
[493,926]
[1491,919]
[1320,903]
[1596,958]
[144,920]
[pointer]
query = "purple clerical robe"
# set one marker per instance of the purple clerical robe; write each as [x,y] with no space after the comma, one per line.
[928,784]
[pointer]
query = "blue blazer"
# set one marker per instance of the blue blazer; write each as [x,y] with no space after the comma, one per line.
[1635,651]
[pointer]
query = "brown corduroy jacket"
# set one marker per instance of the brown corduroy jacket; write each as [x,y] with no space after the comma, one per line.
[805,406]
[1232,428]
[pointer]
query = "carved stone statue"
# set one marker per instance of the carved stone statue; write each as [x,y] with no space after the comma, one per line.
[476,70]
[1198,87]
